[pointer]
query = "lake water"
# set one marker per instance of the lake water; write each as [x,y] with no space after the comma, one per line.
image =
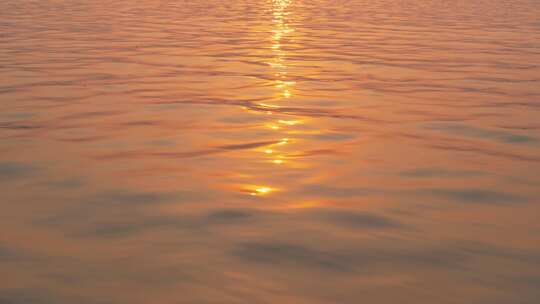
[259,151]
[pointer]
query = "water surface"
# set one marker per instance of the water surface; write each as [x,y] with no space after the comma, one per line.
[257,151]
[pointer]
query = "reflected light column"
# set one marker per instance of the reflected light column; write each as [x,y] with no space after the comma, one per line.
[280,29]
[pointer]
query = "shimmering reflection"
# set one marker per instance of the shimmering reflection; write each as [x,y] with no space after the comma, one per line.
[280,29]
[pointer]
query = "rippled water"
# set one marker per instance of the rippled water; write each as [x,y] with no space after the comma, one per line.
[257,151]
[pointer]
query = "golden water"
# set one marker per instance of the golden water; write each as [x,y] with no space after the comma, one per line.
[269,151]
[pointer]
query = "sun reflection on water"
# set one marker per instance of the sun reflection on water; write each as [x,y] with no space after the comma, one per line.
[259,190]
[279,32]
[276,154]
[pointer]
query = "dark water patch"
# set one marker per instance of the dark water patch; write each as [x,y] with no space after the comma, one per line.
[117,223]
[350,260]
[8,254]
[440,172]
[44,296]
[525,281]
[18,115]
[134,198]
[130,228]
[70,183]
[27,296]
[379,257]
[353,219]
[19,126]
[13,254]
[90,114]
[333,136]
[13,170]
[163,142]
[229,215]
[483,151]
[290,255]
[477,196]
[331,191]
[85,139]
[116,212]
[145,154]
[482,133]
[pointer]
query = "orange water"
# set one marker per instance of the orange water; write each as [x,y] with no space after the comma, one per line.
[285,151]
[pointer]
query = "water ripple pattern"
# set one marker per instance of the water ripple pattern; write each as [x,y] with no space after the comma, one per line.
[269,151]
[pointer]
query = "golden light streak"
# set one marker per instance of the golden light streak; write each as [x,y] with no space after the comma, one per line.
[283,141]
[261,191]
[290,122]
